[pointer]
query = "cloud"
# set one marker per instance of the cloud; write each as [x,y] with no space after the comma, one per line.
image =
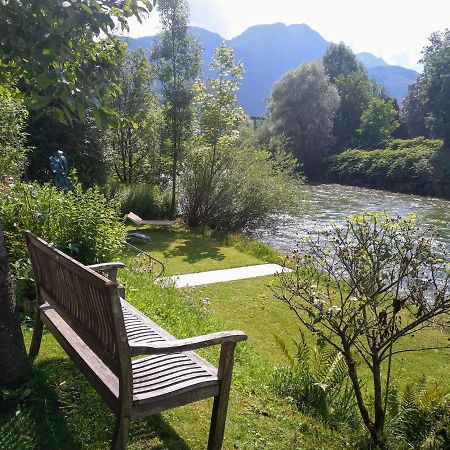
[210,15]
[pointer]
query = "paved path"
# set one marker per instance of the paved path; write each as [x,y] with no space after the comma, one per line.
[219,276]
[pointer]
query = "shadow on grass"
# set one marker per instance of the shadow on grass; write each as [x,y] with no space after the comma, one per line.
[58,409]
[193,247]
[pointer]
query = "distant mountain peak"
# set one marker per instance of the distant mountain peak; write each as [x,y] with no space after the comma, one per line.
[270,50]
[370,60]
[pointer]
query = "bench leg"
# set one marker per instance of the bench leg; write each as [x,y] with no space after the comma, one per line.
[37,337]
[120,438]
[220,407]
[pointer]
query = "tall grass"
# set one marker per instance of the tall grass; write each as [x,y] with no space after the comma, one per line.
[145,200]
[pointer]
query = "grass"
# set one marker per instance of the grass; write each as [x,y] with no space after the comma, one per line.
[59,409]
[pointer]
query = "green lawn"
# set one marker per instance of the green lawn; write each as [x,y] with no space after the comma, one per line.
[60,410]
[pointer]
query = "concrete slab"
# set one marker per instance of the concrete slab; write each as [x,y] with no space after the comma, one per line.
[220,276]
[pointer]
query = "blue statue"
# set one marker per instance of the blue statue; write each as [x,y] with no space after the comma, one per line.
[60,169]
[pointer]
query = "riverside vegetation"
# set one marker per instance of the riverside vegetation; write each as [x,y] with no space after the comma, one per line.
[147,132]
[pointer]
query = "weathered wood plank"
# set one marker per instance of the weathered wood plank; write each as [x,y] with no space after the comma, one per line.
[101,332]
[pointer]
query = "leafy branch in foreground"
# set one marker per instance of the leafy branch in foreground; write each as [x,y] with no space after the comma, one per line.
[361,289]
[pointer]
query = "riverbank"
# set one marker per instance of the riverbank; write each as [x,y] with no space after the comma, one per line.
[415,166]
[59,409]
[326,204]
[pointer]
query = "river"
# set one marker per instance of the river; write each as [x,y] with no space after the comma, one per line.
[325,204]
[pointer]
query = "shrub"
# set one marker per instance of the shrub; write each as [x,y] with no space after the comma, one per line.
[13,150]
[414,166]
[363,288]
[147,201]
[230,188]
[82,223]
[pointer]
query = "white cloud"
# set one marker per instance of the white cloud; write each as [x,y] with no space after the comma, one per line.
[395,30]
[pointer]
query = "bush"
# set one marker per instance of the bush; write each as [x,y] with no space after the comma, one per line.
[81,223]
[418,166]
[233,188]
[13,151]
[147,201]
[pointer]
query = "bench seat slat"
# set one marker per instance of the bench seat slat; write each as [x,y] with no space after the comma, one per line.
[155,378]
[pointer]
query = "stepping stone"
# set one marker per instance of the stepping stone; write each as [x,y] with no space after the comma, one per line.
[219,276]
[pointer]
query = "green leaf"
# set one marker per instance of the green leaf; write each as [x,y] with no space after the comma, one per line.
[38,101]
[59,116]
[46,79]
[86,8]
[101,118]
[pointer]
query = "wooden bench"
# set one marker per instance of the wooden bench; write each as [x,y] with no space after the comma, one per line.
[103,335]
[140,222]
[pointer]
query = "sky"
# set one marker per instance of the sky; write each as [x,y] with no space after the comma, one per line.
[395,30]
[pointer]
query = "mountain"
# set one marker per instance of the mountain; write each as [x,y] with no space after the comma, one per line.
[370,60]
[395,78]
[269,51]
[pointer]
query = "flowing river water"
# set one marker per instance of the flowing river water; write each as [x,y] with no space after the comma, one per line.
[325,204]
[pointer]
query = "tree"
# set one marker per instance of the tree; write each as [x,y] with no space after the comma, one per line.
[436,84]
[134,141]
[13,358]
[362,289]
[82,142]
[412,112]
[13,149]
[378,123]
[302,107]
[53,51]
[217,118]
[177,58]
[339,60]
[355,92]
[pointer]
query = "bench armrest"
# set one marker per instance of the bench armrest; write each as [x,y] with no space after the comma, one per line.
[106,267]
[183,345]
[110,268]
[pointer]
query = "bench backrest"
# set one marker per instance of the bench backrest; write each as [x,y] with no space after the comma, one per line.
[86,300]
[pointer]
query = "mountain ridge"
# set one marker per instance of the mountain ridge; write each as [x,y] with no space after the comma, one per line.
[259,48]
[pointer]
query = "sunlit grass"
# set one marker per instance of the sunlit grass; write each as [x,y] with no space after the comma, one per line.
[61,410]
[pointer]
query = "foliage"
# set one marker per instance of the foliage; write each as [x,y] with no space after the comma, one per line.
[217,115]
[206,181]
[436,85]
[249,185]
[316,380]
[13,149]
[176,56]
[302,107]
[340,61]
[82,142]
[418,166]
[134,141]
[363,288]
[82,223]
[145,200]
[355,92]
[420,416]
[412,113]
[378,123]
[56,54]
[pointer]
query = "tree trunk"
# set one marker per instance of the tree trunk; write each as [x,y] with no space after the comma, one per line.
[375,434]
[15,367]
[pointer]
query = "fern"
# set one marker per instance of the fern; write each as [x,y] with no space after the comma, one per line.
[422,419]
[316,381]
